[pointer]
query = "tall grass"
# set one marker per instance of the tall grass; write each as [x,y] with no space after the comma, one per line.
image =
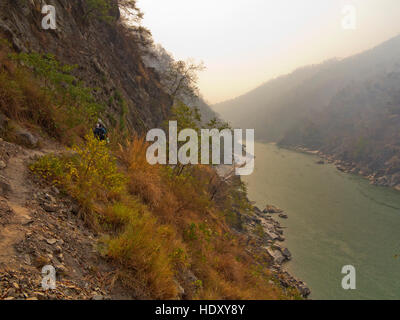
[184,203]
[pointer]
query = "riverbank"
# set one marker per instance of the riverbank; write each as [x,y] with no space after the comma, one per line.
[378,178]
[264,235]
[334,220]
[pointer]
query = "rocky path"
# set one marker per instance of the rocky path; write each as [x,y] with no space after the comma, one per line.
[15,200]
[38,227]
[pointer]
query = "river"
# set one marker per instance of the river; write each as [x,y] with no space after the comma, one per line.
[335,219]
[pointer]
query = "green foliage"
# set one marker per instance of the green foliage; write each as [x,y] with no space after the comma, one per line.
[47,67]
[99,9]
[123,112]
[95,168]
[186,116]
[89,175]
[216,123]
[39,89]
[70,94]
[51,168]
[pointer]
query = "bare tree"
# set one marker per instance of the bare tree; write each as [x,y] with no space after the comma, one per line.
[130,12]
[180,79]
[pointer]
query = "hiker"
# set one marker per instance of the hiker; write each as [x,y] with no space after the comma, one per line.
[100,132]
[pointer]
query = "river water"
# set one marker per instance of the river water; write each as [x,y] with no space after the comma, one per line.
[335,219]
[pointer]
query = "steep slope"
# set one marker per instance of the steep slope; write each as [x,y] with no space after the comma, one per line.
[107,56]
[111,224]
[39,226]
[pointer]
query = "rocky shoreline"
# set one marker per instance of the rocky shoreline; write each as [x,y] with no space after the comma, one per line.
[265,234]
[378,178]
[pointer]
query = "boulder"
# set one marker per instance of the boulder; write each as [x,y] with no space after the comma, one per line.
[272,209]
[26,138]
[304,290]
[273,236]
[286,253]
[276,255]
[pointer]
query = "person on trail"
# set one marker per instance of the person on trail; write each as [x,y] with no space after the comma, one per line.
[100,132]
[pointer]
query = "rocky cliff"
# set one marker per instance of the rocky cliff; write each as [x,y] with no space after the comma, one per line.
[106,54]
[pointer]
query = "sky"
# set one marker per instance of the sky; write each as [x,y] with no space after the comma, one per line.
[244,43]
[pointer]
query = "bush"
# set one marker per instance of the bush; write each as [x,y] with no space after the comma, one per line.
[143,248]
[89,174]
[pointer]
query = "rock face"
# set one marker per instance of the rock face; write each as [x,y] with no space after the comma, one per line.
[107,59]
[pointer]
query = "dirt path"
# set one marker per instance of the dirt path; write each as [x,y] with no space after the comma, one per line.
[16,200]
[39,226]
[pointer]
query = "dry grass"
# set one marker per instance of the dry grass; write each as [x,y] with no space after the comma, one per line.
[143,250]
[163,224]
[182,204]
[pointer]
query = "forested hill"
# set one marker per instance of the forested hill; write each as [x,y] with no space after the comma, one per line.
[348,108]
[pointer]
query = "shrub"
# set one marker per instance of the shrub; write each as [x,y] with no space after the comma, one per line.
[89,174]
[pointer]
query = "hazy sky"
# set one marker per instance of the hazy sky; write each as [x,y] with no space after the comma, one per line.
[244,43]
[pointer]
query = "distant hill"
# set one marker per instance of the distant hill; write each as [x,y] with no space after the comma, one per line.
[277,105]
[349,108]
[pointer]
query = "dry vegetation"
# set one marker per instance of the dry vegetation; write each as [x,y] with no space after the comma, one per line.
[164,229]
[161,228]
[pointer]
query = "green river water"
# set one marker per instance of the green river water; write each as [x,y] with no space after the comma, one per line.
[335,219]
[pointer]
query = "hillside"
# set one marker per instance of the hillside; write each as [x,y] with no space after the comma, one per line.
[347,109]
[110,224]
